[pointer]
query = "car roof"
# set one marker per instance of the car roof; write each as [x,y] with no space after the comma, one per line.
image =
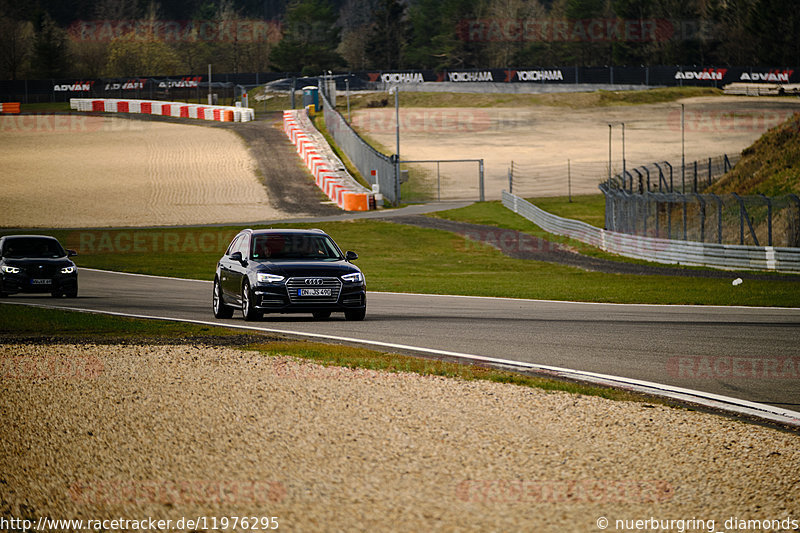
[7,238]
[29,237]
[285,231]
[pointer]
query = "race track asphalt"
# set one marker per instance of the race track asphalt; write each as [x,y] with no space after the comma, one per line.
[746,353]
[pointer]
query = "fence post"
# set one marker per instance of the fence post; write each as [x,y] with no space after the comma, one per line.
[683,201]
[669,216]
[480,171]
[671,187]
[794,222]
[769,218]
[702,217]
[709,172]
[695,176]
[743,216]
[511,179]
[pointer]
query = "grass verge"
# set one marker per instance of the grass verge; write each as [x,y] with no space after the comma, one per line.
[18,322]
[400,258]
[319,122]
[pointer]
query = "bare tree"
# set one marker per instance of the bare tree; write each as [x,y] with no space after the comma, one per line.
[16,44]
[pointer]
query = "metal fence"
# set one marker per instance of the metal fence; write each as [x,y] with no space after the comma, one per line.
[667,201]
[563,179]
[411,180]
[727,256]
[442,180]
[722,219]
[664,176]
[373,165]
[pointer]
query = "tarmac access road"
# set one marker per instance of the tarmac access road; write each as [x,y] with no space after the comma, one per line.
[741,352]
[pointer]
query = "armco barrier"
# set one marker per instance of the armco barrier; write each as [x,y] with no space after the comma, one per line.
[328,170]
[167,109]
[732,257]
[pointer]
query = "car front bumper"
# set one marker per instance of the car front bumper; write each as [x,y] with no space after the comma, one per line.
[275,299]
[17,283]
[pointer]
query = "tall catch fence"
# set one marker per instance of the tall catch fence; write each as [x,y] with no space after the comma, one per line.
[666,202]
[374,166]
[664,176]
[571,177]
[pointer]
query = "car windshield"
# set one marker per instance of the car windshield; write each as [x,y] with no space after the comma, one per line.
[33,247]
[294,246]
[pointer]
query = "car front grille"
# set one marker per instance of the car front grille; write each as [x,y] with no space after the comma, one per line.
[295,284]
[40,271]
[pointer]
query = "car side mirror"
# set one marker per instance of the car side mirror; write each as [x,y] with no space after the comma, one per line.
[351,256]
[71,253]
[237,256]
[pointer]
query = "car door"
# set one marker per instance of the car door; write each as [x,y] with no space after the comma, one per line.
[226,274]
[238,269]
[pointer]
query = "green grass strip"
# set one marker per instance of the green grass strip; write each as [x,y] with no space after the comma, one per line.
[18,322]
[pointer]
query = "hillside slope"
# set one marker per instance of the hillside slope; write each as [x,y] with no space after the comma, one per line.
[770,166]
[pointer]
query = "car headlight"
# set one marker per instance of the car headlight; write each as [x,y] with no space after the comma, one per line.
[68,270]
[10,270]
[263,277]
[355,277]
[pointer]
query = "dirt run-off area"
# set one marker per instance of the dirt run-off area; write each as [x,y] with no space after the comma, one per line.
[95,171]
[170,432]
[546,142]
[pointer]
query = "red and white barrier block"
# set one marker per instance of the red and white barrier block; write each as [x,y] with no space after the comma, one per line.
[219,113]
[328,170]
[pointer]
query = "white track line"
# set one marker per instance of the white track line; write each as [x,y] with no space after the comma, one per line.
[706,399]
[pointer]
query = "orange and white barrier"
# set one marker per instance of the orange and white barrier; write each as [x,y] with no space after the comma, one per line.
[9,107]
[218,113]
[328,170]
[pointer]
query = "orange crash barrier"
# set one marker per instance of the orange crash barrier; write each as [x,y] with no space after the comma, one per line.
[9,107]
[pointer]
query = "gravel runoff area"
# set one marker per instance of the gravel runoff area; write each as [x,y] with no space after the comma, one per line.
[100,171]
[131,432]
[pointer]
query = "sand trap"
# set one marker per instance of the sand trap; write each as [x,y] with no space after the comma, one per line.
[541,140]
[85,171]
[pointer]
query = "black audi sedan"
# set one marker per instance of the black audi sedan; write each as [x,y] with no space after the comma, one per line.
[288,271]
[36,263]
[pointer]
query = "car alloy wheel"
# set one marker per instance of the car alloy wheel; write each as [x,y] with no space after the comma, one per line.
[220,309]
[248,310]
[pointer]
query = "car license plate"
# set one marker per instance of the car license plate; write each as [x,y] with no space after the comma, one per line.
[313,292]
[41,281]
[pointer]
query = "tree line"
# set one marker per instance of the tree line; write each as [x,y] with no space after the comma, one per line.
[117,38]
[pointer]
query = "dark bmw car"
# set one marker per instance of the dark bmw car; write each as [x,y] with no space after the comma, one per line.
[288,271]
[36,263]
